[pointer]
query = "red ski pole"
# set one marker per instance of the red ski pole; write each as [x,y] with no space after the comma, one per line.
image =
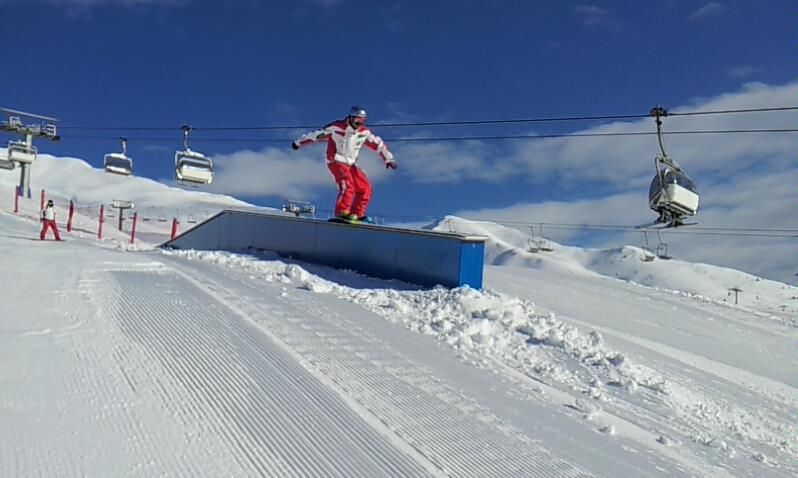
[175,222]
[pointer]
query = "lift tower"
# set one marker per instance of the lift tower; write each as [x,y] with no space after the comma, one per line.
[23,152]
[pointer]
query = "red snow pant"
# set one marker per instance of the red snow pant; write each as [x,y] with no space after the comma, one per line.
[354,188]
[47,225]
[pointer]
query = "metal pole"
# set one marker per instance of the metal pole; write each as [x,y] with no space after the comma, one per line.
[102,220]
[133,229]
[24,174]
[71,213]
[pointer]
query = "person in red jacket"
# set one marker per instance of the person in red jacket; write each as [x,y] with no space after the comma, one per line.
[48,221]
[344,139]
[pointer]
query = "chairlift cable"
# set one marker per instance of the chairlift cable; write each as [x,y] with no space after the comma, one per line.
[447,123]
[470,138]
[688,230]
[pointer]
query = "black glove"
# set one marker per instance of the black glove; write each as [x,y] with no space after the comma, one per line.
[294,145]
[390,164]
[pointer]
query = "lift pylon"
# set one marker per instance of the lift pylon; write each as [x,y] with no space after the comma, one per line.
[22,152]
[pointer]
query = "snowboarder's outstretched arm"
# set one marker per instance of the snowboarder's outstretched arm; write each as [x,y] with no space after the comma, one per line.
[321,134]
[377,144]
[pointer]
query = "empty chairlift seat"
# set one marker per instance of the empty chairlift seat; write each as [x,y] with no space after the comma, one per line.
[193,167]
[5,163]
[118,163]
[674,192]
[20,152]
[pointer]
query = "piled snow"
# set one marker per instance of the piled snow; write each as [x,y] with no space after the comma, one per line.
[480,325]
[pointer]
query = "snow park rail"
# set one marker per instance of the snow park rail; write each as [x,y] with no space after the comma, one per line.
[426,258]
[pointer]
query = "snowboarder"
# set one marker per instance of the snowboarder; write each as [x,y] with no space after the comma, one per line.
[344,139]
[48,221]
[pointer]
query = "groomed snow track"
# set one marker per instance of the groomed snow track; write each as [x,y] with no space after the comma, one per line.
[297,396]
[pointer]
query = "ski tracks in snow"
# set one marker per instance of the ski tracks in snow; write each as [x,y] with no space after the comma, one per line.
[273,418]
[413,408]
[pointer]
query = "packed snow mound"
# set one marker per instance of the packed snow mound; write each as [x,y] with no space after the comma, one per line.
[508,246]
[89,185]
[476,323]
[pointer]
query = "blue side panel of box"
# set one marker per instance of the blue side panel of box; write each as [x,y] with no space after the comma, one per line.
[426,258]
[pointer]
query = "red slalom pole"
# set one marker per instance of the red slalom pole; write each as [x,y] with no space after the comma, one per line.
[71,213]
[102,220]
[41,202]
[175,222]
[133,229]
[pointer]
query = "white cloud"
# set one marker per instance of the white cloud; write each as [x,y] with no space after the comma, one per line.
[269,172]
[712,8]
[591,14]
[438,162]
[595,16]
[742,71]
[617,160]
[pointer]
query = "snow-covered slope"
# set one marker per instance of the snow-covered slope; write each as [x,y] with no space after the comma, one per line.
[507,246]
[573,362]
[70,178]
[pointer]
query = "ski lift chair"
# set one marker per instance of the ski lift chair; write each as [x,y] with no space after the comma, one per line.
[662,247]
[648,254]
[298,208]
[191,166]
[118,163]
[20,152]
[544,243]
[5,163]
[673,195]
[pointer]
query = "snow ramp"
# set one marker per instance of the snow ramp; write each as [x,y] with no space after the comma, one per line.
[426,258]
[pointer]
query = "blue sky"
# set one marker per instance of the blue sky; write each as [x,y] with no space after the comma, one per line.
[140,63]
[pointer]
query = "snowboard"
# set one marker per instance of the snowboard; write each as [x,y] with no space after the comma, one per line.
[341,220]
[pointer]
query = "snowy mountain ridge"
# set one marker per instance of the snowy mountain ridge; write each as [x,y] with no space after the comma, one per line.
[508,247]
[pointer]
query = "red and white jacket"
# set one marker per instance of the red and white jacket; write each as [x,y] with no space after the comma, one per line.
[48,214]
[344,142]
